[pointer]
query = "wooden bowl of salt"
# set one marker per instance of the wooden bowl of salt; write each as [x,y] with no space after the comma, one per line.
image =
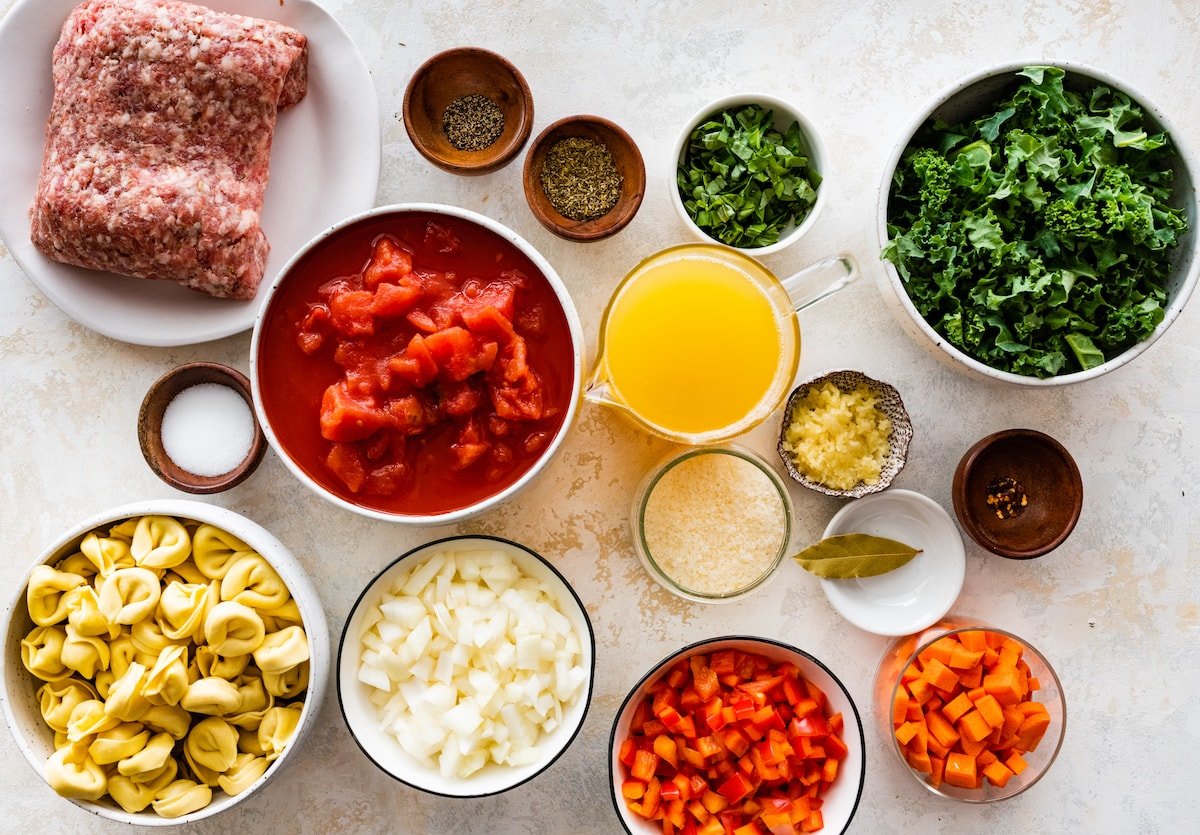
[197,429]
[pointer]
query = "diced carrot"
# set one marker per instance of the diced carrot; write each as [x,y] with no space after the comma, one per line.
[920,691]
[975,640]
[915,712]
[964,659]
[976,693]
[985,758]
[972,678]
[906,732]
[935,703]
[1030,708]
[939,675]
[920,761]
[1009,655]
[911,673]
[991,710]
[960,771]
[1012,720]
[906,647]
[990,657]
[974,727]
[1034,683]
[941,650]
[900,706]
[995,640]
[1032,730]
[954,710]
[940,729]
[998,774]
[970,747]
[937,769]
[1004,685]
[920,742]
[1016,763]
[936,749]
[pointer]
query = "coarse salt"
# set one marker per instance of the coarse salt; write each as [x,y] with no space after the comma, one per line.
[207,429]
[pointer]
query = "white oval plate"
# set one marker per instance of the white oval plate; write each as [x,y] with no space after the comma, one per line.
[916,595]
[324,166]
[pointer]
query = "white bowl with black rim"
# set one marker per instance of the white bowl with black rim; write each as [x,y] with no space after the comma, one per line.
[840,801]
[18,695]
[968,98]
[385,751]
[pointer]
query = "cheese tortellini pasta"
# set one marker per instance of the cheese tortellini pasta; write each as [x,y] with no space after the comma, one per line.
[46,598]
[164,650]
[160,542]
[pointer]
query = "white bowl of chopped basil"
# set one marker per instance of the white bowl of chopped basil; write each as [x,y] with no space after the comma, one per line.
[747,173]
[1037,224]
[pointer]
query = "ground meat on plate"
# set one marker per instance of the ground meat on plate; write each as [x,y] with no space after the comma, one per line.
[159,139]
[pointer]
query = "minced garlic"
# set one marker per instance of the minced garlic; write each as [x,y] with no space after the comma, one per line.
[839,438]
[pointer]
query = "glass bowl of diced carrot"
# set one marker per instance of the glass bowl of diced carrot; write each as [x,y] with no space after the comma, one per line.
[974,712]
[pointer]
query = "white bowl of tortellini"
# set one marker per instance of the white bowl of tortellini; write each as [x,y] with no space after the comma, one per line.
[162,661]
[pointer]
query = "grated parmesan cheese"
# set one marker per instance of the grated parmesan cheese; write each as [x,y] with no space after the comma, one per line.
[714,523]
[839,438]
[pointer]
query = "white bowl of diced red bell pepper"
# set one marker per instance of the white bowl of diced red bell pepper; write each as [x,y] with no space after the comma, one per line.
[737,734]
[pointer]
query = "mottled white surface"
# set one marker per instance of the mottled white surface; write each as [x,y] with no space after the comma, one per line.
[1116,609]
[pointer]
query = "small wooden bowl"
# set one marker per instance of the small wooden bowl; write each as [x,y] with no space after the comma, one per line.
[459,72]
[149,427]
[1050,478]
[625,154]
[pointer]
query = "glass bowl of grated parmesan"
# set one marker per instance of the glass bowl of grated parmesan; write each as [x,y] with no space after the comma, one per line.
[713,523]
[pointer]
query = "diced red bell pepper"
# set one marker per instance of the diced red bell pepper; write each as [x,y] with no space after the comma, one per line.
[722,662]
[812,724]
[736,787]
[706,683]
[835,747]
[767,717]
[626,752]
[644,764]
[714,715]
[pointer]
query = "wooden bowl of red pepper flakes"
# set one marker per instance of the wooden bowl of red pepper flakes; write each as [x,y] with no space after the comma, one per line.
[737,734]
[1018,493]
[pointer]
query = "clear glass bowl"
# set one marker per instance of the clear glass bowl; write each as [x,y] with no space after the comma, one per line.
[637,520]
[904,651]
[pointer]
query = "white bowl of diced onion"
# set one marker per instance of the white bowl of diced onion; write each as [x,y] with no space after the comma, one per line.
[466,666]
[19,694]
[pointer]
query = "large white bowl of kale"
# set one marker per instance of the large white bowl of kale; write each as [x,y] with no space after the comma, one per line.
[1038,224]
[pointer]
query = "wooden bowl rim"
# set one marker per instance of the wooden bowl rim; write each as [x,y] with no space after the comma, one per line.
[503,154]
[972,525]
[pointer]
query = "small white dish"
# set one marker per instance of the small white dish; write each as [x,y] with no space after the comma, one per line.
[784,114]
[916,595]
[324,166]
[362,717]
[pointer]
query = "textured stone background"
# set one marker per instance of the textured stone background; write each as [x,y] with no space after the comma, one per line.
[1115,609]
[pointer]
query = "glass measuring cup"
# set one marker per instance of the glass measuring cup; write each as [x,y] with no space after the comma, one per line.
[700,343]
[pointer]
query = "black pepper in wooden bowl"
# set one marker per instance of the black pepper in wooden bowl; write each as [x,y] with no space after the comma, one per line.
[581,178]
[472,123]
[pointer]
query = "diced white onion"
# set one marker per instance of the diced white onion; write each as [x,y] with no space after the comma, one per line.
[469,660]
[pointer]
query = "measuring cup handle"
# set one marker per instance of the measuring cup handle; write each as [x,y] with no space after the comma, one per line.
[821,280]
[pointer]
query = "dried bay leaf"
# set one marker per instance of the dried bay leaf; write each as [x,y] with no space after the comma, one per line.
[852,555]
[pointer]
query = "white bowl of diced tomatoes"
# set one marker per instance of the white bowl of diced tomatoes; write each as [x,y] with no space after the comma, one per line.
[737,734]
